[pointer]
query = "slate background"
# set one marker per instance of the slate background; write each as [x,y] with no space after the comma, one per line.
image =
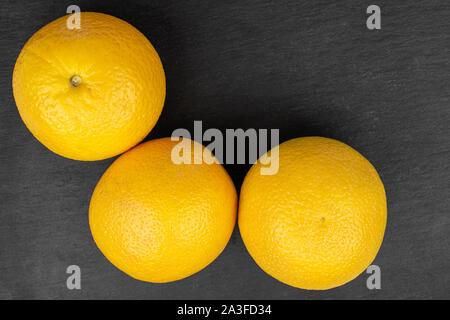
[306,67]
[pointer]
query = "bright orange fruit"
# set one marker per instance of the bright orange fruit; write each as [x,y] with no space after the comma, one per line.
[317,223]
[159,221]
[89,93]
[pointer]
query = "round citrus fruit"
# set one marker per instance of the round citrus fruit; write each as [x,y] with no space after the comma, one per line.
[89,93]
[159,221]
[317,223]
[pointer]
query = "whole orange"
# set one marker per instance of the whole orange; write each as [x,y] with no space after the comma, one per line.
[159,221]
[89,93]
[317,223]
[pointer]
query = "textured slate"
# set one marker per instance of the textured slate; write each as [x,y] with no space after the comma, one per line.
[305,67]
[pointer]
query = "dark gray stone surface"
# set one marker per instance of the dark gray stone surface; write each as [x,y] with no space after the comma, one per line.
[306,67]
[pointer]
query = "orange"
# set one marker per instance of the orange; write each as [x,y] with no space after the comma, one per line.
[319,222]
[159,221]
[89,93]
